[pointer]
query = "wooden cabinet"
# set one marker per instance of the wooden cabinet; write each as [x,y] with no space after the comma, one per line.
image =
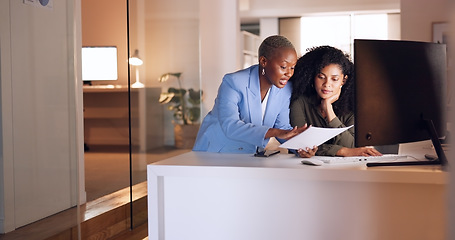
[106,116]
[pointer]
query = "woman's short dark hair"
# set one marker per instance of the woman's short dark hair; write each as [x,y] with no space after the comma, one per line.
[311,64]
[269,46]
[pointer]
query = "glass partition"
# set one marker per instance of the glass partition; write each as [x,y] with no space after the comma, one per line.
[105,99]
[106,119]
[164,86]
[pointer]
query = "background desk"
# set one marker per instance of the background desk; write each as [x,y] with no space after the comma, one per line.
[106,118]
[201,196]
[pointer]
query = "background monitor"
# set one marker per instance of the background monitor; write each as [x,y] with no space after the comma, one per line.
[99,63]
[398,86]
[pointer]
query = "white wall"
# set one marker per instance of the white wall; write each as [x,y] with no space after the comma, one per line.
[219,45]
[288,27]
[167,36]
[39,115]
[417,17]
[268,27]
[394,26]
[6,129]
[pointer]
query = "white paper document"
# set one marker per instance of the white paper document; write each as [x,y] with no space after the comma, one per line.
[313,136]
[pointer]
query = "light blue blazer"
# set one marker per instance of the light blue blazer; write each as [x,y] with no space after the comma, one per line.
[235,123]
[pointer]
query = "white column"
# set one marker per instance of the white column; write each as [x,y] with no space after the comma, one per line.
[7,217]
[268,27]
[219,29]
[74,52]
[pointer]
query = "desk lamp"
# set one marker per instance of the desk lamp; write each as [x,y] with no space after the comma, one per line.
[136,62]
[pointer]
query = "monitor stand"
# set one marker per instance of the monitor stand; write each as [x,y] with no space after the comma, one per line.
[442,160]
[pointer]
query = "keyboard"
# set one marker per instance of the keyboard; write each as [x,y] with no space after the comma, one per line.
[357,159]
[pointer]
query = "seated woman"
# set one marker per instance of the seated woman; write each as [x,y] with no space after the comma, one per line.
[252,105]
[323,96]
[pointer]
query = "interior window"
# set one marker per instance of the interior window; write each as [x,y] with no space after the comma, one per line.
[340,31]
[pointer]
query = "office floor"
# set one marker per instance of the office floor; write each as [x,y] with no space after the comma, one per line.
[107,169]
[104,218]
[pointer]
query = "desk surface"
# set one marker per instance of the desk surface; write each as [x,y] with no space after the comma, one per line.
[290,166]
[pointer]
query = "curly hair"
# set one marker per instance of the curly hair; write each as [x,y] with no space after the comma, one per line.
[311,64]
[269,46]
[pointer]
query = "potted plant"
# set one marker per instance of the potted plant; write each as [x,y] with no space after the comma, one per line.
[186,108]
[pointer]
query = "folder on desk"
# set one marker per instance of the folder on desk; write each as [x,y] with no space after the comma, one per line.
[313,136]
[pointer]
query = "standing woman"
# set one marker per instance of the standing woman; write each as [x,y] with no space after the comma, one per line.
[323,96]
[252,104]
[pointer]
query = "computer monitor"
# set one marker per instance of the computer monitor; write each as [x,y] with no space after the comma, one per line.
[400,93]
[99,63]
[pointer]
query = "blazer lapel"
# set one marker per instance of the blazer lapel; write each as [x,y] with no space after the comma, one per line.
[270,111]
[254,97]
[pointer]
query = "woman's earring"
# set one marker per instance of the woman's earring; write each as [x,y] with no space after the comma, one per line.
[263,71]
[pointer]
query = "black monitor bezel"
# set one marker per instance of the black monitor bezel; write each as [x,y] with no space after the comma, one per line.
[400,92]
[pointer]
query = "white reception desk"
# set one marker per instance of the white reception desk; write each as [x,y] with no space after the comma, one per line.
[212,196]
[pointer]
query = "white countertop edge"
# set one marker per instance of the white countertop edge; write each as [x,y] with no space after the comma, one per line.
[284,166]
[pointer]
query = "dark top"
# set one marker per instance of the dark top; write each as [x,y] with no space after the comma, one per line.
[306,110]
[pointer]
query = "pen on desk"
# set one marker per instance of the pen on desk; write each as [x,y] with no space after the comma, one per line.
[276,152]
[266,154]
